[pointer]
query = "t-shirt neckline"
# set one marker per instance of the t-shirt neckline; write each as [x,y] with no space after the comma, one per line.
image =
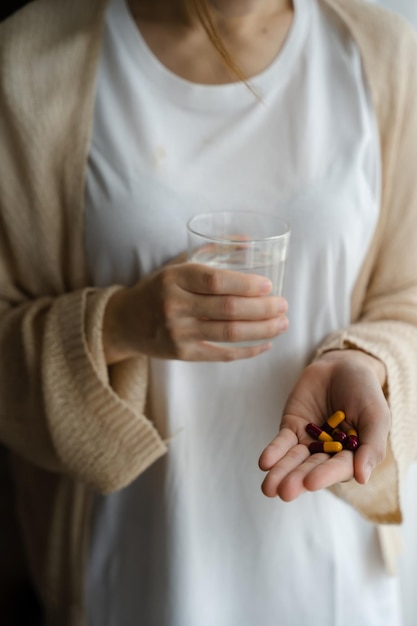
[202,96]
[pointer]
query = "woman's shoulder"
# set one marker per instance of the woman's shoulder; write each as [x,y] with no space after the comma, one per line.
[379,32]
[47,25]
[388,46]
[48,53]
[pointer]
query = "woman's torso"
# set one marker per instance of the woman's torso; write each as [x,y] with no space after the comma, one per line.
[193,542]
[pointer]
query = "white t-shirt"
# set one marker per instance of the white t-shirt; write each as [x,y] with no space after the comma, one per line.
[193,542]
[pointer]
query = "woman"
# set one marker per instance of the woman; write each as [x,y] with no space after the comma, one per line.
[294,108]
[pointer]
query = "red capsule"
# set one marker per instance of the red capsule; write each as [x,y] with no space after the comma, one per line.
[351,443]
[340,436]
[331,447]
[317,433]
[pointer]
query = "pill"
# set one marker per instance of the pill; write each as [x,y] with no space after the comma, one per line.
[325,446]
[317,433]
[352,431]
[339,435]
[336,419]
[327,428]
[351,443]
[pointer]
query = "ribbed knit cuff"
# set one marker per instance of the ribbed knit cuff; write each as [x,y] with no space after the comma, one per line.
[101,438]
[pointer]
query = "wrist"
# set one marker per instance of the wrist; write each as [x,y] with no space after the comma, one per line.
[115,344]
[361,358]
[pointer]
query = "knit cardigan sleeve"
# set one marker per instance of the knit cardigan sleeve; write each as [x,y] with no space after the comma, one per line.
[58,409]
[386,319]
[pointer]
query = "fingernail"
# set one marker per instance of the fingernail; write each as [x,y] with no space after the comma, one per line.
[265,347]
[282,306]
[266,285]
[367,472]
[283,323]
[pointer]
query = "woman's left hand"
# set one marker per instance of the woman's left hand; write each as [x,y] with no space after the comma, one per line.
[350,381]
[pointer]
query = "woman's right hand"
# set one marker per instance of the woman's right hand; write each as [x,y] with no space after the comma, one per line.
[178,310]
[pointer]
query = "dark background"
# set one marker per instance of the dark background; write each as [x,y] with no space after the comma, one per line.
[19,605]
[7,7]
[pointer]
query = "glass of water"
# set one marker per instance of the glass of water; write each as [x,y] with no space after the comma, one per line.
[243,241]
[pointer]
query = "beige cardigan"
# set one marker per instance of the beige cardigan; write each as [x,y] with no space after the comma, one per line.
[73,424]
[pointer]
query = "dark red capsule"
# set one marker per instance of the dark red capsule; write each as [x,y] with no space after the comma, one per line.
[313,430]
[316,432]
[351,443]
[340,435]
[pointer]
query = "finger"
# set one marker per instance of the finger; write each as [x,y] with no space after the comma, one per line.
[237,332]
[296,482]
[294,458]
[237,308]
[374,428]
[204,279]
[368,456]
[338,468]
[283,442]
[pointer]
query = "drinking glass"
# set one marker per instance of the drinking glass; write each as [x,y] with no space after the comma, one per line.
[243,241]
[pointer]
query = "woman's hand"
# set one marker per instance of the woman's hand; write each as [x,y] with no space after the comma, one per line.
[176,312]
[350,381]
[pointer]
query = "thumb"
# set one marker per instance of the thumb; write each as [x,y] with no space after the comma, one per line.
[372,449]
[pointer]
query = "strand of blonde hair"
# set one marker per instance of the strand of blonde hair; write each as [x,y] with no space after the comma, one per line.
[203,13]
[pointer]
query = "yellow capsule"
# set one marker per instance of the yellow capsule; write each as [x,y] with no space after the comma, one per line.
[324,437]
[353,432]
[332,446]
[336,419]
[325,446]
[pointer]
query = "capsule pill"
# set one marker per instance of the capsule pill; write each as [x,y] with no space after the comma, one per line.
[351,443]
[328,429]
[336,419]
[317,433]
[333,422]
[340,436]
[331,447]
